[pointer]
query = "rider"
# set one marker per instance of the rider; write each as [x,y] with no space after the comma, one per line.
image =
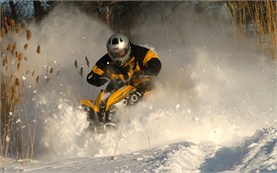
[122,63]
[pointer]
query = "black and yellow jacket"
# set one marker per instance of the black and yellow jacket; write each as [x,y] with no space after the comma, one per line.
[142,61]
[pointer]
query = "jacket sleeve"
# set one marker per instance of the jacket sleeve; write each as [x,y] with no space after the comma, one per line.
[151,64]
[96,77]
[152,67]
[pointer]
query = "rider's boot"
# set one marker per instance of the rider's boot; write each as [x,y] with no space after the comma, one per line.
[110,115]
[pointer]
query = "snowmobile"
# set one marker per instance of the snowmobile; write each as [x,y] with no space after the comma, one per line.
[102,112]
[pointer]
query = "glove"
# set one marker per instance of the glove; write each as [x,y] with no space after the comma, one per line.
[137,75]
[142,75]
[115,84]
[119,83]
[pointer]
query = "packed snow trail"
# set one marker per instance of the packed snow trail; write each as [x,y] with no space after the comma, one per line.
[257,153]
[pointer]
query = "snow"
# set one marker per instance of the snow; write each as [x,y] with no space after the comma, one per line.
[256,154]
[217,114]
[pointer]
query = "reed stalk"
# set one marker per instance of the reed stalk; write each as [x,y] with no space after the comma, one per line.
[16,141]
[261,16]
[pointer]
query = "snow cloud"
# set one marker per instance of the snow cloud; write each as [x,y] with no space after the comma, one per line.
[211,87]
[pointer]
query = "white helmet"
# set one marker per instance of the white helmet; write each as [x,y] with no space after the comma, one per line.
[119,49]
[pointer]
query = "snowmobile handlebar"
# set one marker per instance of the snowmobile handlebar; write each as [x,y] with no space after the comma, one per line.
[115,84]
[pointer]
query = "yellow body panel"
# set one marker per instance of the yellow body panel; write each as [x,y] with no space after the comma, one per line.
[115,97]
[89,103]
[119,94]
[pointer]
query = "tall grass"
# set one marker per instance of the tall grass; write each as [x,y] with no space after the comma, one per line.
[258,20]
[20,79]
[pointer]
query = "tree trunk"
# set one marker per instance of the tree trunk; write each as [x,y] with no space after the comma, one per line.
[39,11]
[12,7]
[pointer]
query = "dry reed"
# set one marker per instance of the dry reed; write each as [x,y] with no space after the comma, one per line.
[81,72]
[26,46]
[28,35]
[51,70]
[87,61]
[38,49]
[5,19]
[5,61]
[18,66]
[17,83]
[15,141]
[18,28]
[37,79]
[3,31]
[76,64]
[14,48]
[256,19]
[12,23]
[19,57]
[10,47]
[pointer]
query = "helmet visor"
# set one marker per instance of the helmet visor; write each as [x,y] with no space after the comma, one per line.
[120,57]
[117,55]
